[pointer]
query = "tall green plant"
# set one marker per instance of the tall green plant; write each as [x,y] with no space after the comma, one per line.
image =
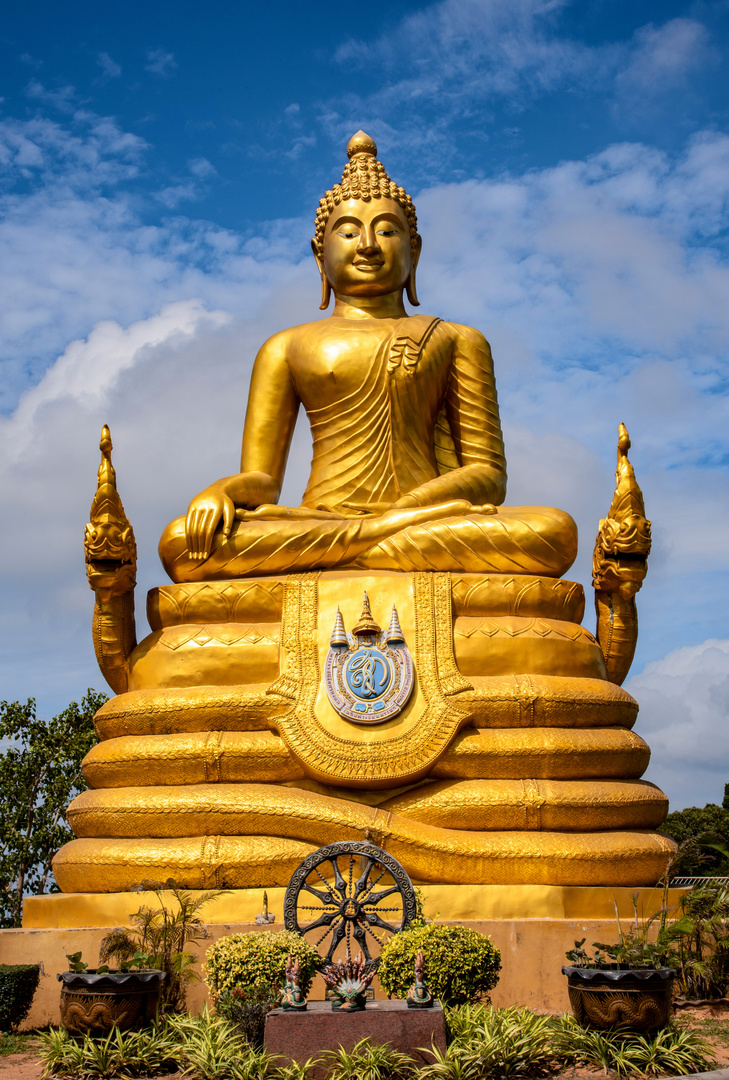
[40,772]
[159,938]
[699,942]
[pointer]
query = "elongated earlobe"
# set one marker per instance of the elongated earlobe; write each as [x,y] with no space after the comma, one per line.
[326,289]
[326,292]
[410,289]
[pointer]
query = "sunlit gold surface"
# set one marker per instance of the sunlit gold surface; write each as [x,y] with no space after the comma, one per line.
[233,757]
[508,701]
[551,753]
[513,761]
[465,903]
[230,809]
[631,857]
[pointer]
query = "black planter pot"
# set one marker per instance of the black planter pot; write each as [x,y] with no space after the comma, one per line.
[620,999]
[94,1002]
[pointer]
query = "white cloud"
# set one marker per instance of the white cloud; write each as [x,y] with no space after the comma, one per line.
[74,249]
[160,62]
[467,60]
[684,716]
[61,98]
[663,58]
[201,168]
[110,69]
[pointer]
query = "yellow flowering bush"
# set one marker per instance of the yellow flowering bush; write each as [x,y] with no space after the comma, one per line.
[461,965]
[241,960]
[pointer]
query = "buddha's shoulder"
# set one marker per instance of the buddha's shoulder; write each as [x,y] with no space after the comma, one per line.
[467,334]
[295,338]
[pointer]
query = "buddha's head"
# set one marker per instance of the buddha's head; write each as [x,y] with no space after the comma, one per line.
[366,241]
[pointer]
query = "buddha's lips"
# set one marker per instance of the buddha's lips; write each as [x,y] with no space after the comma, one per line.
[369,265]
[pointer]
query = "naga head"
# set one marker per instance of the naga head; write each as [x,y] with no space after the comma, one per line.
[109,544]
[620,558]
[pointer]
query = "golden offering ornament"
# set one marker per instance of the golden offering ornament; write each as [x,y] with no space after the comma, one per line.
[368,674]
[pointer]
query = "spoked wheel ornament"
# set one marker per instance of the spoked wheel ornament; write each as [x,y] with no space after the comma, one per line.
[349,896]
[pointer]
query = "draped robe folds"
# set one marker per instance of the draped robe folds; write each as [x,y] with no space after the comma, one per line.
[425,406]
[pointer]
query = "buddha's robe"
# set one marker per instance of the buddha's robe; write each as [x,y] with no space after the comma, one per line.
[423,412]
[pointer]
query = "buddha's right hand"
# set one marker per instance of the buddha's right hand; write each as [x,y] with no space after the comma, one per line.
[203,517]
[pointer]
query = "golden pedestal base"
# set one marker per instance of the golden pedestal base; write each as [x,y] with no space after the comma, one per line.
[225,763]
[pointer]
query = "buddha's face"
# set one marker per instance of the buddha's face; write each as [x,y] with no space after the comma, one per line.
[367,248]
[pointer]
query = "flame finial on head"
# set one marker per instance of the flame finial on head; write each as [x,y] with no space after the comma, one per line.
[108,534]
[361,143]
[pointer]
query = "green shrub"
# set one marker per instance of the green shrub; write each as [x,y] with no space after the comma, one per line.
[243,960]
[18,984]
[461,965]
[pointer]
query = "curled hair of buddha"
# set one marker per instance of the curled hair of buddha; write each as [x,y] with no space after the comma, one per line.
[364,178]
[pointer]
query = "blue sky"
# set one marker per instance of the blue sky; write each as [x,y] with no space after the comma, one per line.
[160,165]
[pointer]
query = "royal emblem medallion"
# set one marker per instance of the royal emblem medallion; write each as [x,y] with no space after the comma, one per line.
[368,673]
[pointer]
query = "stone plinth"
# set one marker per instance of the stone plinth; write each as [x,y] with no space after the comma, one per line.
[296,1036]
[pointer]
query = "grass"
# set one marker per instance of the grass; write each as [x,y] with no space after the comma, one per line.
[486,1044]
[712,1028]
[12,1043]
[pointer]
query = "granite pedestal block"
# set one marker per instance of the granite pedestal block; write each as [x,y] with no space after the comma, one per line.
[296,1036]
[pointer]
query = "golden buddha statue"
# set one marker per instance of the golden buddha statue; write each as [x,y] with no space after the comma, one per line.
[404,419]
[482,738]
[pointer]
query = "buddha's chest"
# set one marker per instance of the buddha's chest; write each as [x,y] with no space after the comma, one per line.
[341,364]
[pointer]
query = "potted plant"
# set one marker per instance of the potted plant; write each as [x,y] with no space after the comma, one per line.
[627,985]
[154,966]
[94,1000]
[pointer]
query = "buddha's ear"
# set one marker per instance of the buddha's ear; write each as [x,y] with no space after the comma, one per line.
[410,288]
[326,289]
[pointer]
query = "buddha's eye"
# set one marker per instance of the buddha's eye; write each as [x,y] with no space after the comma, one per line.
[387,232]
[348,234]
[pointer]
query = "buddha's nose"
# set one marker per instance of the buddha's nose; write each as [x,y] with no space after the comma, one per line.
[367,241]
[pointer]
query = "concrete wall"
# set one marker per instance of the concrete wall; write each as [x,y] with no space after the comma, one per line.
[532,955]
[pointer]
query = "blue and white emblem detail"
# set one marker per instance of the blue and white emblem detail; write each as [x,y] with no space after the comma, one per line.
[368,673]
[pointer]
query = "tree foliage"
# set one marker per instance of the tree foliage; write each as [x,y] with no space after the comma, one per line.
[40,772]
[706,825]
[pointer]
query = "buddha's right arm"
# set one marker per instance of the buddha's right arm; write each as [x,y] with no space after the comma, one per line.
[473,415]
[273,405]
